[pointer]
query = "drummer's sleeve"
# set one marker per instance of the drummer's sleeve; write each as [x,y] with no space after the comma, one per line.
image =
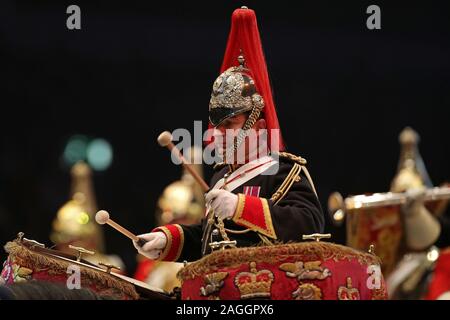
[297,212]
[183,242]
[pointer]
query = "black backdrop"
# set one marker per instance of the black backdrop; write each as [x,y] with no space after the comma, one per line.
[343,94]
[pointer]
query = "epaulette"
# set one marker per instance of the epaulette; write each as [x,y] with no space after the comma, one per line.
[219,166]
[292,177]
[291,157]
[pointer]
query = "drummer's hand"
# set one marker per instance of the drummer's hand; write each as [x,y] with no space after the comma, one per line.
[223,203]
[414,200]
[156,242]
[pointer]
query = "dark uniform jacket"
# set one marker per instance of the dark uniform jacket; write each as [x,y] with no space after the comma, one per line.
[276,208]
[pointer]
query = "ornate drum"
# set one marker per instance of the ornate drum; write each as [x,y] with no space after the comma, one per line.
[378,220]
[379,226]
[297,271]
[29,260]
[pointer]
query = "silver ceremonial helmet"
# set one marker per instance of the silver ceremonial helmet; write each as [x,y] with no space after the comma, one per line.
[234,92]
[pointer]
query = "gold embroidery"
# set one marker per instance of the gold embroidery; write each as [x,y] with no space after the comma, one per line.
[348,292]
[214,282]
[307,291]
[304,251]
[305,270]
[254,284]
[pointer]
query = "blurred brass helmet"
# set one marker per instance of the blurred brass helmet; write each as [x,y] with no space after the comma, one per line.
[407,178]
[421,228]
[411,172]
[178,203]
[73,224]
[183,201]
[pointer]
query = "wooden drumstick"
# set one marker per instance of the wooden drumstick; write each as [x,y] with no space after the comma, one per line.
[102,217]
[165,140]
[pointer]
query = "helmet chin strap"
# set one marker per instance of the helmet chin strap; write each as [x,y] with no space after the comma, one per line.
[243,133]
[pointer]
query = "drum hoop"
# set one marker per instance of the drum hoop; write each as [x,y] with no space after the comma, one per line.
[31,245]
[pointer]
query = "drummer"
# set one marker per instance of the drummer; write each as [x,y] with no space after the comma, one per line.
[422,227]
[253,199]
[425,226]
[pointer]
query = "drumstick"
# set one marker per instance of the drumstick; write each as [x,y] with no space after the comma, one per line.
[165,140]
[102,217]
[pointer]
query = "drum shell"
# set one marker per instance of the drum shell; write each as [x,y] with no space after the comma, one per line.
[301,271]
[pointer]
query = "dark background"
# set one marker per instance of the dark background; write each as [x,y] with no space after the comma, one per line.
[343,95]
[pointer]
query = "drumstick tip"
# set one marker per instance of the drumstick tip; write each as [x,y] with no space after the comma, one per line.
[102,217]
[165,138]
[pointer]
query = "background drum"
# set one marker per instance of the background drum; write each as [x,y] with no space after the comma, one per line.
[29,260]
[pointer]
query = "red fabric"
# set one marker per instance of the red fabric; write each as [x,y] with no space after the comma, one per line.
[174,242]
[244,35]
[283,287]
[381,227]
[143,269]
[60,277]
[440,282]
[254,212]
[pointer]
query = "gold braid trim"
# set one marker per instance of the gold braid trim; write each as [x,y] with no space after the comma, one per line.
[238,231]
[240,205]
[223,233]
[25,257]
[265,240]
[302,162]
[289,156]
[293,176]
[251,120]
[180,248]
[308,176]
[305,251]
[168,247]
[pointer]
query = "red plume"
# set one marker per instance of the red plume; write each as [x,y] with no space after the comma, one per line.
[244,35]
